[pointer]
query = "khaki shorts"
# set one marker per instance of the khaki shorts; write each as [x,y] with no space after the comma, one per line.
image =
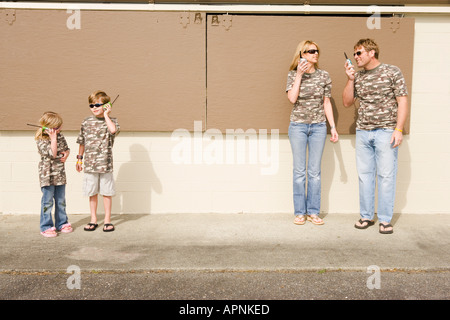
[99,183]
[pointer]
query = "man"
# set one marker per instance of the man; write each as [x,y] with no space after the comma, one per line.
[382,113]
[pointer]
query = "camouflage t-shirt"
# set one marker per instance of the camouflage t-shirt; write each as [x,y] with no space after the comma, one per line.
[98,142]
[51,170]
[309,105]
[377,90]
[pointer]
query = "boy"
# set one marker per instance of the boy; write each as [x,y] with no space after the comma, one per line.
[96,140]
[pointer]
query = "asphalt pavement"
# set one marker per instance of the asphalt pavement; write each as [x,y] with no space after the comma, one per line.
[226,256]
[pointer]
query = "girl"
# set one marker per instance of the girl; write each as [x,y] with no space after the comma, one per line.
[53,149]
[309,90]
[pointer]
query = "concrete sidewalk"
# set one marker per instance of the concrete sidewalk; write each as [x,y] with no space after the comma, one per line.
[228,242]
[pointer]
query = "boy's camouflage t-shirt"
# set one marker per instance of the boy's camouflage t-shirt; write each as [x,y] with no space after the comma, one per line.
[98,142]
[377,90]
[51,170]
[309,105]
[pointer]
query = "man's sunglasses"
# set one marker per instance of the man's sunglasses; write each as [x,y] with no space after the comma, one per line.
[312,51]
[96,105]
[357,53]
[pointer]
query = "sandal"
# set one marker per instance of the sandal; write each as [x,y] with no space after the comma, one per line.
[367,224]
[384,227]
[108,225]
[49,233]
[90,226]
[300,219]
[315,219]
[66,228]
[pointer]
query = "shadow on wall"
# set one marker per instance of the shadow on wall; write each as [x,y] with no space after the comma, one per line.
[136,182]
[403,177]
[329,170]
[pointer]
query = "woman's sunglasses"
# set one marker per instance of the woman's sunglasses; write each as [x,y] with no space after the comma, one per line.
[312,51]
[96,105]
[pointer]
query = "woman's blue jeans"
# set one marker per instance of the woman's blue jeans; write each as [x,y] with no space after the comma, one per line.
[303,137]
[376,161]
[58,193]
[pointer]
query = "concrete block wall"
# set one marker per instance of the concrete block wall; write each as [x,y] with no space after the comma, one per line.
[150,179]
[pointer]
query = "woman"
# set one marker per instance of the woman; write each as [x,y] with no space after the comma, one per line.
[309,89]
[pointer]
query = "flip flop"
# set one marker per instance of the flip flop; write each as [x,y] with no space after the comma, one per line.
[49,233]
[300,220]
[361,221]
[66,228]
[386,226]
[108,225]
[315,219]
[89,226]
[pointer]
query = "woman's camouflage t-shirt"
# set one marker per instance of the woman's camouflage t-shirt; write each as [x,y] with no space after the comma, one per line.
[309,105]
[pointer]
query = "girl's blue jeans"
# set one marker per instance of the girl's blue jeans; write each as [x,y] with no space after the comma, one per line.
[376,161]
[307,137]
[58,194]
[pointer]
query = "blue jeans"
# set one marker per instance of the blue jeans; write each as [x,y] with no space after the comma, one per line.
[376,162]
[304,136]
[48,194]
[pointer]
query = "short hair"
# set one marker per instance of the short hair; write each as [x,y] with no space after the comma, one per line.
[99,95]
[302,47]
[369,45]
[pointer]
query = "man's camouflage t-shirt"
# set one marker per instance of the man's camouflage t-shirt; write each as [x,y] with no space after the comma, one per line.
[377,90]
[309,105]
[51,170]
[98,142]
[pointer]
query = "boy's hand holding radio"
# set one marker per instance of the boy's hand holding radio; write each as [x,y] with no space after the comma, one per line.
[107,107]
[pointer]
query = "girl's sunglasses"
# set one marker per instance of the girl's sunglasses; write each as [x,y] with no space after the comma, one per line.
[96,105]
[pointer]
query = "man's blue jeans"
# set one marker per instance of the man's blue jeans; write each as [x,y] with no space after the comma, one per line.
[48,194]
[302,137]
[376,162]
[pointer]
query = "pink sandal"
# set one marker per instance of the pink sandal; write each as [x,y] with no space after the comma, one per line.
[66,228]
[49,233]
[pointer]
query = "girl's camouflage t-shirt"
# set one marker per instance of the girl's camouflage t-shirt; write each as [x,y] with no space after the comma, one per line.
[309,105]
[377,90]
[51,170]
[98,142]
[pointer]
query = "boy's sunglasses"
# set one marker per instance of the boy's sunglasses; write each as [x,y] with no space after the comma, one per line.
[96,105]
[312,51]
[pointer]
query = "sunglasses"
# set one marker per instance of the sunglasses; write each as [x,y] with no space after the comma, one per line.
[312,51]
[358,53]
[96,105]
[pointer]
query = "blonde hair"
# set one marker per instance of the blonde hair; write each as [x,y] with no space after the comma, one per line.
[50,120]
[99,95]
[368,45]
[302,47]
